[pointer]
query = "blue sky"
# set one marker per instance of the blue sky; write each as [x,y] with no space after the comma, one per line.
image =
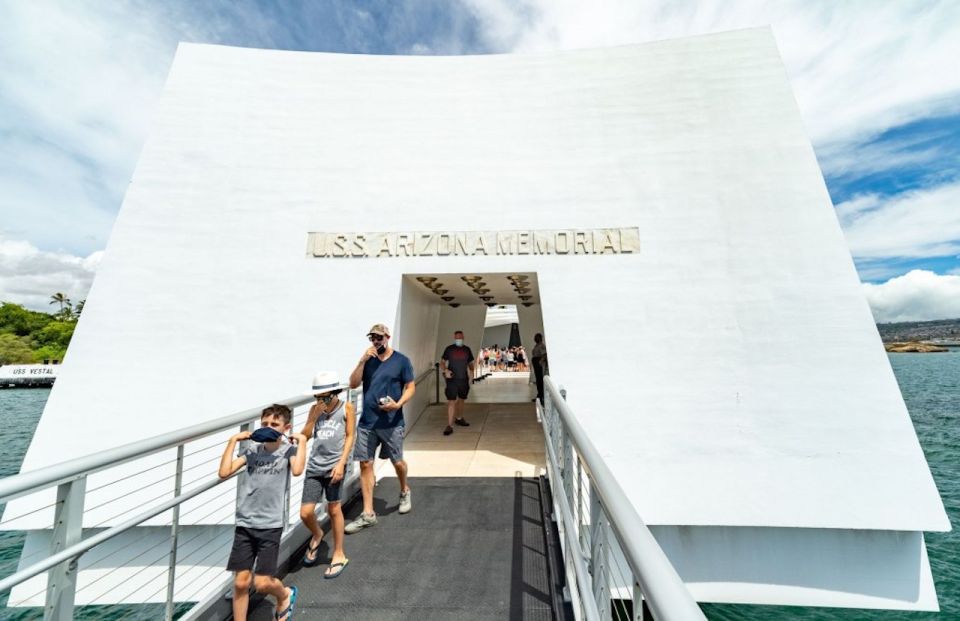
[876,84]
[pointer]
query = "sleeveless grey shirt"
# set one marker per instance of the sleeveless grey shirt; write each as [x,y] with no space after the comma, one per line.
[329,436]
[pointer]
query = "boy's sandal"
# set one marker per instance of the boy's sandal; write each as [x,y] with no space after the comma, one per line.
[337,570]
[287,613]
[314,550]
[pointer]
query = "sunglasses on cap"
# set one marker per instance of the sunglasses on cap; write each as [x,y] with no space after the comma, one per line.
[375,338]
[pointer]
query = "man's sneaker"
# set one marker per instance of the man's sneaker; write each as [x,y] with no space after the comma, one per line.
[405,503]
[461,422]
[447,430]
[362,521]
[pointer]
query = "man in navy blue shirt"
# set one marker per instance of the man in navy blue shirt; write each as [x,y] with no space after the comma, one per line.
[388,383]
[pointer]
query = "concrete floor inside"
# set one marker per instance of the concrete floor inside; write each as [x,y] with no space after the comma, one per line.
[504,438]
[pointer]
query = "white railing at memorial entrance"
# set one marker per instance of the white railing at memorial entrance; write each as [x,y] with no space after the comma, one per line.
[606,544]
[614,567]
[199,446]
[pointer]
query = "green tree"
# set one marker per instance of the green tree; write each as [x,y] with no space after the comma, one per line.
[59,298]
[17,320]
[14,349]
[56,334]
[79,308]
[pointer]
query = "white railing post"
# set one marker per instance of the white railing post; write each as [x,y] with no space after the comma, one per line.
[598,556]
[174,536]
[67,530]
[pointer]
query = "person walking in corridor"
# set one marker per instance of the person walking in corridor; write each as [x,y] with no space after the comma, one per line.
[539,359]
[388,384]
[456,363]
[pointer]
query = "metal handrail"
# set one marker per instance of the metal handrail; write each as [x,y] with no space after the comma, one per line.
[663,591]
[35,480]
[70,479]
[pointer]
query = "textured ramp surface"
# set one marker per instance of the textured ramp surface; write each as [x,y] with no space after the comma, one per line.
[472,548]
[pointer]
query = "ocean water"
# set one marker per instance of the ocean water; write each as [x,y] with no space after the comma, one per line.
[930,384]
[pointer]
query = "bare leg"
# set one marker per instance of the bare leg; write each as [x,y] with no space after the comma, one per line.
[273,586]
[367,481]
[451,412]
[308,515]
[460,403]
[401,469]
[241,594]
[336,527]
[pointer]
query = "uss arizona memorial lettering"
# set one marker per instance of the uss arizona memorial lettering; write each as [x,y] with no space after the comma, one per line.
[473,243]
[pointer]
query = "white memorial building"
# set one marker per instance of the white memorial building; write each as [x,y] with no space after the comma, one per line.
[661,212]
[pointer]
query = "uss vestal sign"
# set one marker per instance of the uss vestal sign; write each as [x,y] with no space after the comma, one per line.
[473,243]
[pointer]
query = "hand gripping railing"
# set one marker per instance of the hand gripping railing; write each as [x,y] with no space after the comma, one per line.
[614,565]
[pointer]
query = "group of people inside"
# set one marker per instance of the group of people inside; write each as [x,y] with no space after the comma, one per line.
[275,451]
[496,358]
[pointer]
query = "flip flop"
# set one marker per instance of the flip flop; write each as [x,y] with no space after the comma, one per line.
[306,562]
[330,576]
[287,613]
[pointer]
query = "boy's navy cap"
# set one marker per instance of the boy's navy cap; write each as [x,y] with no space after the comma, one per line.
[266,434]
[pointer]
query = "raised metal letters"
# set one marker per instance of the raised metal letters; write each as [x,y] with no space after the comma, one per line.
[473,243]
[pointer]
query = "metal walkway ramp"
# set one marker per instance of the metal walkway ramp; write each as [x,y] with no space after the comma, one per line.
[472,548]
[570,545]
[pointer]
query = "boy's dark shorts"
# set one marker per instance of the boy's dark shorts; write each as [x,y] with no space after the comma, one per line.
[457,389]
[262,544]
[317,486]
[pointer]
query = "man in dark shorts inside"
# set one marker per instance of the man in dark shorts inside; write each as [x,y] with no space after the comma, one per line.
[456,363]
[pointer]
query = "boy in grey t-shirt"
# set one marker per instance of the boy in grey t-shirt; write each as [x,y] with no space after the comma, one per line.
[331,424]
[269,461]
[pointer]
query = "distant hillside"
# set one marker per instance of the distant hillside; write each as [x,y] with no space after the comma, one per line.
[934,331]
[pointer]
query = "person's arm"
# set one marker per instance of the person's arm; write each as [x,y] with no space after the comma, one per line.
[471,365]
[356,376]
[300,459]
[408,391]
[444,364]
[308,426]
[349,436]
[229,464]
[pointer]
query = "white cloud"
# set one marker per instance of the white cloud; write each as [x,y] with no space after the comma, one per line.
[918,295]
[29,276]
[856,67]
[921,223]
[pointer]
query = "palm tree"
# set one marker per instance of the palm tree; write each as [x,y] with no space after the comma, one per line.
[79,308]
[59,298]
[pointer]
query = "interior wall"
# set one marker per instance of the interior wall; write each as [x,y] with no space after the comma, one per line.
[415,335]
[469,319]
[497,335]
[531,322]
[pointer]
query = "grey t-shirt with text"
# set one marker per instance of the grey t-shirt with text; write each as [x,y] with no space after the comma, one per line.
[329,436]
[262,500]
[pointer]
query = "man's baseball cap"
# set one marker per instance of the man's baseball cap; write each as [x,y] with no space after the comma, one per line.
[379,328]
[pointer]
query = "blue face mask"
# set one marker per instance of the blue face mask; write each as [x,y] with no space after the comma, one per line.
[458,342]
[266,434]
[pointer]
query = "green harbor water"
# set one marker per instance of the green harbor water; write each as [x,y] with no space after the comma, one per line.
[931,388]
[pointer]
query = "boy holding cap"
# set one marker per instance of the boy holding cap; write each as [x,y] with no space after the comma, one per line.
[262,498]
[388,383]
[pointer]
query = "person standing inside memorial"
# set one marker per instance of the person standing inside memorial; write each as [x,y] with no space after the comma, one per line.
[456,364]
[538,357]
[388,384]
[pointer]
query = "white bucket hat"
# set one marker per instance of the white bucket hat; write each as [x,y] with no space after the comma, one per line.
[326,381]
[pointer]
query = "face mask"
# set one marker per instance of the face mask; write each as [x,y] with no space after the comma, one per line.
[458,342]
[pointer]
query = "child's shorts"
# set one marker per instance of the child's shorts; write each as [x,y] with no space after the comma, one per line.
[316,486]
[262,544]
